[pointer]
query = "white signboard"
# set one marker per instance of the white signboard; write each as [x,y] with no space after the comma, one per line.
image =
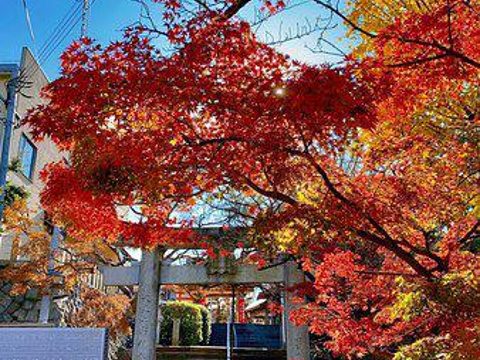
[53,344]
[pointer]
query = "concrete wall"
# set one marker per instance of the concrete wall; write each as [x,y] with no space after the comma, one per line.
[46,151]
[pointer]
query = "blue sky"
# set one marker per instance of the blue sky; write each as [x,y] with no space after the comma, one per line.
[108,17]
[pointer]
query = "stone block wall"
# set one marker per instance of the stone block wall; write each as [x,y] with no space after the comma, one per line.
[18,309]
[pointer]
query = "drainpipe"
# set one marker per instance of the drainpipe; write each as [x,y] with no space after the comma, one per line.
[10,103]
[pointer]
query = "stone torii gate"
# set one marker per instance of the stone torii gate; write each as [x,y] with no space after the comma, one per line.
[150,274]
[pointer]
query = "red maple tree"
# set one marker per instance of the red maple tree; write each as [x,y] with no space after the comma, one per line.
[374,162]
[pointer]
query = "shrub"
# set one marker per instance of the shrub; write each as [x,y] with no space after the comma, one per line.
[194,322]
[206,325]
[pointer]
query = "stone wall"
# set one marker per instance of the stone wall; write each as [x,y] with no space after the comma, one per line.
[18,309]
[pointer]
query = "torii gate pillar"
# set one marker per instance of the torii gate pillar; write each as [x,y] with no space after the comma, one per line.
[151,274]
[145,339]
[297,339]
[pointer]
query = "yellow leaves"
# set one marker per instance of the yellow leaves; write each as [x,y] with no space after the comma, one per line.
[307,194]
[462,344]
[106,252]
[408,306]
[374,15]
[101,310]
[16,216]
[456,292]
[31,241]
[92,248]
[459,290]
[466,277]
[410,303]
[141,119]
[425,154]
[365,136]
[475,204]
[428,157]
[301,197]
[284,238]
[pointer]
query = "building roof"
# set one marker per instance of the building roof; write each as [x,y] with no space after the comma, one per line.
[254,305]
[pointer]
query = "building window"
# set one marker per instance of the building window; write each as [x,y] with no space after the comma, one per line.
[28,156]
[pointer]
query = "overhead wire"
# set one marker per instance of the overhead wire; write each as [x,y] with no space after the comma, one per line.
[29,23]
[59,28]
[60,33]
[66,34]
[54,37]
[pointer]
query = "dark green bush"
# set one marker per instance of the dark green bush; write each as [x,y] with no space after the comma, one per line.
[192,323]
[13,192]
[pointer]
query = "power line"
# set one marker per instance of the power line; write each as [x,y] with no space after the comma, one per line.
[66,18]
[64,31]
[66,34]
[29,23]
[54,48]
[55,35]
[60,34]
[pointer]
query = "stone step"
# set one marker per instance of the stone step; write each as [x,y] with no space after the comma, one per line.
[217,353]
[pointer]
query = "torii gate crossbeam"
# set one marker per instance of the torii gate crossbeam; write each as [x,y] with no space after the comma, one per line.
[149,274]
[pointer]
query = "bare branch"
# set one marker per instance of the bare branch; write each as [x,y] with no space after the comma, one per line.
[235,8]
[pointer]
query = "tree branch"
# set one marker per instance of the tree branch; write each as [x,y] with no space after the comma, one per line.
[387,273]
[418,61]
[469,234]
[346,19]
[271,194]
[235,8]
[446,50]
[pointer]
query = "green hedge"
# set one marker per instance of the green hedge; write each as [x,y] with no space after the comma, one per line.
[195,324]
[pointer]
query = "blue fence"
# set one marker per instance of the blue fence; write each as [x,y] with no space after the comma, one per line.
[248,335]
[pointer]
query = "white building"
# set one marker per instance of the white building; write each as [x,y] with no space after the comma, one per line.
[32,156]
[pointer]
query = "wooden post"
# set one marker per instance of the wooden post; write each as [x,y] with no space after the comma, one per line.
[146,317]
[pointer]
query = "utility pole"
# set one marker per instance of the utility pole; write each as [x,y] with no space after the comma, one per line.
[10,103]
[85,14]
